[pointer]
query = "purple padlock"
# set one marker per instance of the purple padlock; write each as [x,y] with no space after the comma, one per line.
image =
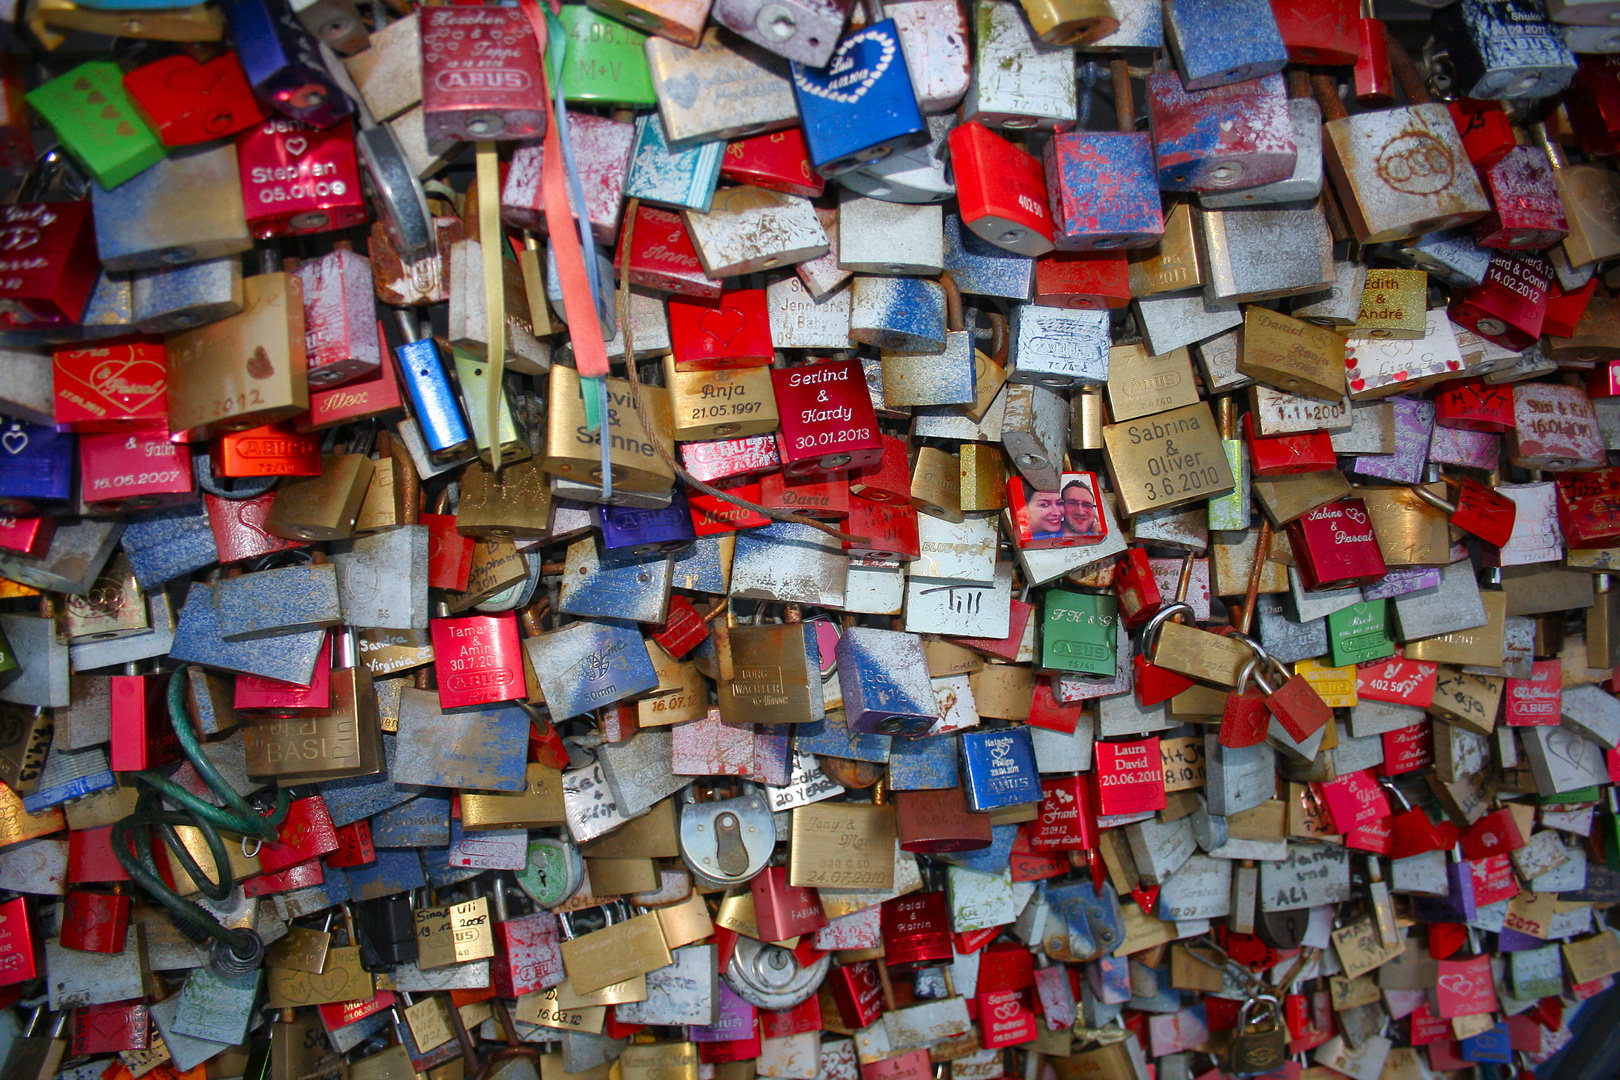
[628,530]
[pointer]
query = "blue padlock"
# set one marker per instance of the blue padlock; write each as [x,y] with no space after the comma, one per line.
[1492,1045]
[355,797]
[1502,50]
[423,822]
[1000,767]
[923,764]
[68,775]
[832,736]
[1457,906]
[433,399]
[1216,42]
[629,530]
[861,106]
[283,62]
[169,543]
[393,872]
[36,467]
[884,678]
[199,639]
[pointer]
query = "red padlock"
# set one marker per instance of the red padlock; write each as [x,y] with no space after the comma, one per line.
[27,536]
[1373,78]
[142,735]
[779,161]
[1526,212]
[354,846]
[1334,546]
[450,554]
[1494,834]
[111,386]
[528,950]
[1326,33]
[138,469]
[1565,308]
[186,101]
[1001,189]
[1137,588]
[916,931]
[857,990]
[1088,281]
[1478,510]
[306,833]
[712,515]
[663,257]
[1281,455]
[1509,306]
[1589,507]
[297,180]
[1474,405]
[683,630]
[1486,129]
[731,332]
[1245,718]
[115,1027]
[1129,777]
[1066,820]
[94,921]
[48,251]
[732,459]
[271,450]
[783,911]
[1593,104]
[828,424]
[890,479]
[238,528]
[479,660]
[890,529]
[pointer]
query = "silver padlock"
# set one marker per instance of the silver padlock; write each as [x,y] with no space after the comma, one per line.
[771,977]
[726,842]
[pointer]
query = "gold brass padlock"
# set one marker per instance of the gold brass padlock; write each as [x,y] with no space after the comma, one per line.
[515,504]
[245,370]
[574,451]
[322,507]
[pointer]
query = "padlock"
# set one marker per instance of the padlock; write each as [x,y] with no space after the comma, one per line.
[1231,135]
[244,371]
[146,224]
[840,136]
[1292,355]
[463,96]
[1016,82]
[726,842]
[1284,455]
[1215,45]
[283,63]
[52,284]
[1260,1043]
[602,148]
[1078,633]
[609,63]
[1526,214]
[1154,684]
[97,122]
[1591,200]
[827,419]
[1002,191]
[1101,185]
[883,676]
[36,472]
[322,507]
[1361,150]
[1334,546]
[1495,52]
[1480,511]
[1510,305]
[186,101]
[111,386]
[341,342]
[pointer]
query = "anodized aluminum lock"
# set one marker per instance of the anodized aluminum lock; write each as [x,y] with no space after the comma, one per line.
[186,101]
[1509,306]
[1103,191]
[883,675]
[845,128]
[283,62]
[1478,510]
[1002,191]
[480,74]
[1238,135]
[1501,49]
[828,424]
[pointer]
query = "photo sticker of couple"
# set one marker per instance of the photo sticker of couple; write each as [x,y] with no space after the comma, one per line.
[1062,518]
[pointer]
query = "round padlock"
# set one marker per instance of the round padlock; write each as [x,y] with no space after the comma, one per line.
[771,977]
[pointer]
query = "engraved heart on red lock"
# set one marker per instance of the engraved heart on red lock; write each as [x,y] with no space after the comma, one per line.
[722,324]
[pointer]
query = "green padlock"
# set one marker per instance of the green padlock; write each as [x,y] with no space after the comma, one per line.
[97,122]
[1360,633]
[1079,633]
[606,63]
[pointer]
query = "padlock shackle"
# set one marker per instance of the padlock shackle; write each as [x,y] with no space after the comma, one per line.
[953,302]
[1327,96]
[1124,100]
[1150,632]
[1406,73]
[1446,508]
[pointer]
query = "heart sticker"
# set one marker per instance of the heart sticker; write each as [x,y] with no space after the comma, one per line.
[296,145]
[846,79]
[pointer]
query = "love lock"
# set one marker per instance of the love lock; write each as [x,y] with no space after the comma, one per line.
[726,842]
[553,871]
[771,977]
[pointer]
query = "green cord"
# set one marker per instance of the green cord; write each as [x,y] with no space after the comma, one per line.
[236,816]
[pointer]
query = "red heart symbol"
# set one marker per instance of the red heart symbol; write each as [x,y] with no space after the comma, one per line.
[1358,384]
[722,324]
[191,77]
[1400,376]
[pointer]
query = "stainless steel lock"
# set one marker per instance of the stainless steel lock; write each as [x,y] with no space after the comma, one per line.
[729,841]
[771,977]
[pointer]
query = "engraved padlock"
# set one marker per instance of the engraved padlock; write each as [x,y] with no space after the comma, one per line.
[1260,1043]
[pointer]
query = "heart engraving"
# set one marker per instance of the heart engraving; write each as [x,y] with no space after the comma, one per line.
[296,145]
[722,324]
[853,70]
[15,441]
